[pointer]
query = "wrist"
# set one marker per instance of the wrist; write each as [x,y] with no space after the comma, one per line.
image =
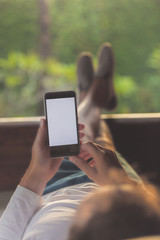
[34,182]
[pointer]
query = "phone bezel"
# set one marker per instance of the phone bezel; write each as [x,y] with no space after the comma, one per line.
[62,150]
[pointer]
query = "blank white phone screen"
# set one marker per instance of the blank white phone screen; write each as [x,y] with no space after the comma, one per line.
[62,125]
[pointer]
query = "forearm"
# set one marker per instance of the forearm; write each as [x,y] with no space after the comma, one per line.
[34,181]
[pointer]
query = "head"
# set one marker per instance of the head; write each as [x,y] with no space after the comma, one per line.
[117,211]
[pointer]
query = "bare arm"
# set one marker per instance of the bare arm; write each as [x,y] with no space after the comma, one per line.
[42,168]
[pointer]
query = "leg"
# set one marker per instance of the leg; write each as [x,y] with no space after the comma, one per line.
[96,129]
[85,74]
[104,137]
[102,95]
[103,87]
[99,95]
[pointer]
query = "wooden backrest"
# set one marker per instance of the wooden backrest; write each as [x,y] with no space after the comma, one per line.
[16,138]
[136,137]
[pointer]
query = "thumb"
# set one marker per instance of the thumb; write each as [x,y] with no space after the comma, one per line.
[42,131]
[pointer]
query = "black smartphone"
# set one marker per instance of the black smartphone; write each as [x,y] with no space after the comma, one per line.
[62,123]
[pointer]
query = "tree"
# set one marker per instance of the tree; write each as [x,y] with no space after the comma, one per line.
[44,45]
[44,25]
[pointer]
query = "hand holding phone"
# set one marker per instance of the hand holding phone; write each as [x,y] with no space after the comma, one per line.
[41,168]
[62,123]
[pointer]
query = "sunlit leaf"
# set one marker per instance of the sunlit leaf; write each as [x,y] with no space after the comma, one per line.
[125,85]
[12,81]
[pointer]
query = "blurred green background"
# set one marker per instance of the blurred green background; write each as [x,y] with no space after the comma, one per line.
[41,39]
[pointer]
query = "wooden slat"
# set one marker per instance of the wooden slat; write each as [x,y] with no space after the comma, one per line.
[16,138]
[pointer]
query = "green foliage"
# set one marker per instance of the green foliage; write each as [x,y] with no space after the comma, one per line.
[132,26]
[18,26]
[154,60]
[142,96]
[126,89]
[20,75]
[125,86]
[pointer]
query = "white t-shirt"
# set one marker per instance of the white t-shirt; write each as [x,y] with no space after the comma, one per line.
[30,217]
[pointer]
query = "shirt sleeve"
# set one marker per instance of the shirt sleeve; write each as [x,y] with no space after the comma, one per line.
[21,208]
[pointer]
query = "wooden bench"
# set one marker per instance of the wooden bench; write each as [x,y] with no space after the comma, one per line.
[136,136]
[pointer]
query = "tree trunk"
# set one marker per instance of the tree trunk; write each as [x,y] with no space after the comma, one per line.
[44,24]
[44,45]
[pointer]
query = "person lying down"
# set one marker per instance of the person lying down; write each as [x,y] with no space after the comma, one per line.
[74,199]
